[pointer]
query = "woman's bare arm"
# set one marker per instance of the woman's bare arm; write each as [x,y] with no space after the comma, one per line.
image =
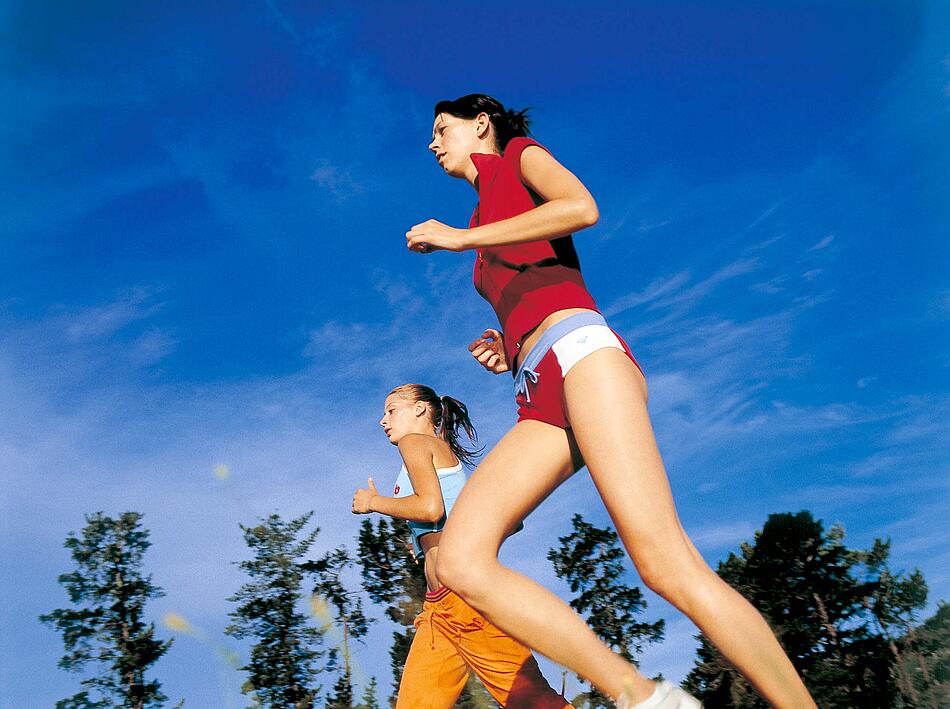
[425,504]
[568,207]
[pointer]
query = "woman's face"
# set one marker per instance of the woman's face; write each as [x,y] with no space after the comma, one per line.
[402,416]
[454,140]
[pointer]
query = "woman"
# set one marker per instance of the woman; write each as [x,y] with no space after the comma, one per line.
[582,399]
[451,637]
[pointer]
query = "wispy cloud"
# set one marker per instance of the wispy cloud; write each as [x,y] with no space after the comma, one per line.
[152,346]
[716,537]
[655,290]
[768,212]
[692,294]
[99,321]
[315,40]
[824,243]
[336,181]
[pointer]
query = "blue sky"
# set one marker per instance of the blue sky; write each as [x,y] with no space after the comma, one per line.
[202,262]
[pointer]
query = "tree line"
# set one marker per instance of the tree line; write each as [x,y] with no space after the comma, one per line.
[849,622]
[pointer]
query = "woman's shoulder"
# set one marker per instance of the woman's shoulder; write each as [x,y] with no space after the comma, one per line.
[516,146]
[516,149]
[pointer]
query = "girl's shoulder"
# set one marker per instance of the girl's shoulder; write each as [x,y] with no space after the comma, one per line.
[422,447]
[414,442]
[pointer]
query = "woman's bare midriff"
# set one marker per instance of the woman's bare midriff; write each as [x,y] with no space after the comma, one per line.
[531,339]
[430,547]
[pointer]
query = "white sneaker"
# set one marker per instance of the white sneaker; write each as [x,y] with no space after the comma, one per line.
[665,696]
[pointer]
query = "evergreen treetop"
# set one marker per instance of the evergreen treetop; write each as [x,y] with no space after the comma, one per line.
[282,668]
[106,628]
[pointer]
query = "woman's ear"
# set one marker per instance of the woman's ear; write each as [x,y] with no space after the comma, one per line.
[420,408]
[482,125]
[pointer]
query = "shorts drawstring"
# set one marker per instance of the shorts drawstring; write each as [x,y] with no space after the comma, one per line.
[521,382]
[431,631]
[527,371]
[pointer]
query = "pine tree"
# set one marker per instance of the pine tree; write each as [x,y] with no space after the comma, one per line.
[349,616]
[107,629]
[925,661]
[893,603]
[369,701]
[282,669]
[819,597]
[342,696]
[591,561]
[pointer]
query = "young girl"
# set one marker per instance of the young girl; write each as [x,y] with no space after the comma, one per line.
[451,637]
[582,399]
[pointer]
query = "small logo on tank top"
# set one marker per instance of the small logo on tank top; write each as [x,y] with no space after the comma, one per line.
[396,490]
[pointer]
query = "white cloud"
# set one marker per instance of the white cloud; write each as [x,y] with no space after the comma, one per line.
[648,225]
[337,182]
[824,243]
[763,245]
[655,290]
[316,41]
[768,212]
[727,534]
[690,296]
[151,347]
[101,321]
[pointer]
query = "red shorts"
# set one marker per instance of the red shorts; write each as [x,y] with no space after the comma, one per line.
[547,393]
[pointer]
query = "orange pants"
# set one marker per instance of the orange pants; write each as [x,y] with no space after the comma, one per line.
[451,639]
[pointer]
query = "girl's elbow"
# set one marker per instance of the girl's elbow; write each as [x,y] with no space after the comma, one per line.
[435,513]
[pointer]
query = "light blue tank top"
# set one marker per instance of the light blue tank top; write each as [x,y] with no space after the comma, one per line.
[451,480]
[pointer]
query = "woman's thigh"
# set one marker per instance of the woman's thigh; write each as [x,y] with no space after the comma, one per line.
[528,463]
[605,398]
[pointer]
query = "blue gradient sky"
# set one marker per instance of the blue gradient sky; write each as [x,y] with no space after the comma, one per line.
[202,262]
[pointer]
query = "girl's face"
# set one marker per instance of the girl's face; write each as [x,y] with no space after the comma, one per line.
[402,416]
[455,139]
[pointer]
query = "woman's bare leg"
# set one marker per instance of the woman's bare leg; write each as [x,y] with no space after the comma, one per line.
[514,478]
[606,404]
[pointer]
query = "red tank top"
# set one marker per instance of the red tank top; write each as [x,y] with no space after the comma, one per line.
[525,282]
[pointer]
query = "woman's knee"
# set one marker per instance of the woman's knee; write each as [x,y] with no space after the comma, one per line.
[675,576]
[460,572]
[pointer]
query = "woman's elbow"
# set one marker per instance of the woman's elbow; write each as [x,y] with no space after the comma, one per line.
[435,512]
[587,213]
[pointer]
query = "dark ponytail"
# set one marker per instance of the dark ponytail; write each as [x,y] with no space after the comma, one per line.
[449,419]
[455,420]
[507,123]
